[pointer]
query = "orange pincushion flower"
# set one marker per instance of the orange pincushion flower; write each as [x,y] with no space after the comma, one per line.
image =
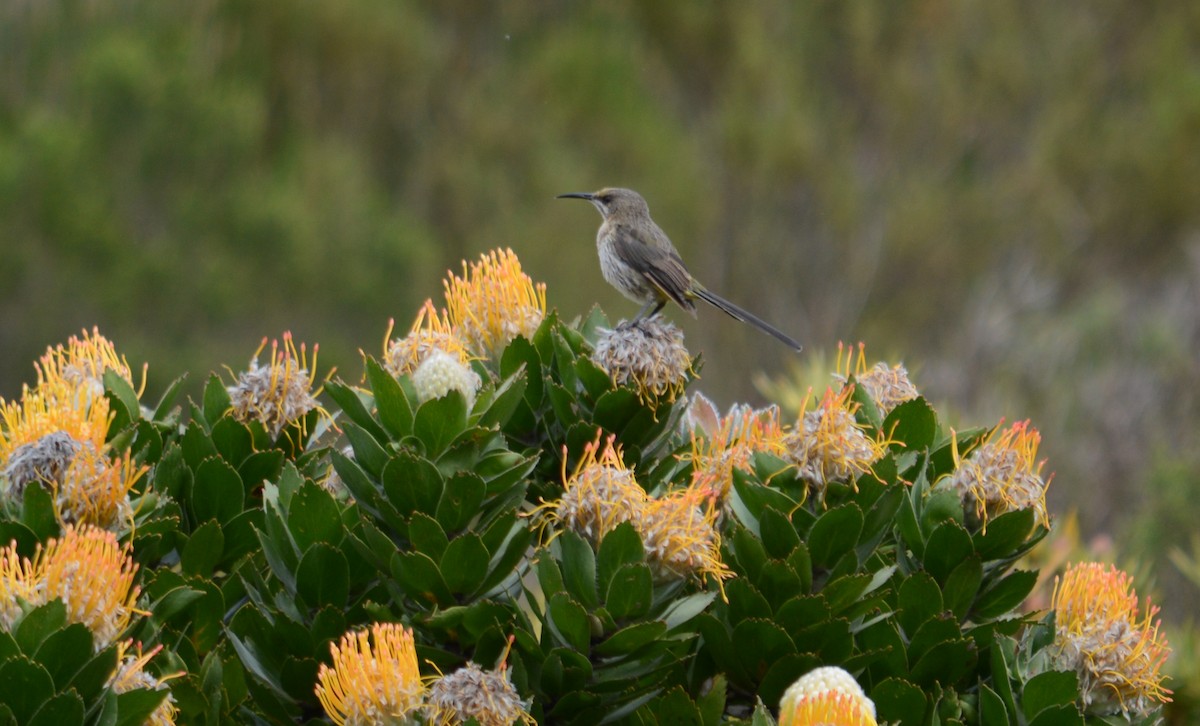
[374,677]
[1002,474]
[494,302]
[1115,648]
[829,445]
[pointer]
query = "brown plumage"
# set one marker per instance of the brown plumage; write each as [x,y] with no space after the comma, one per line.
[637,258]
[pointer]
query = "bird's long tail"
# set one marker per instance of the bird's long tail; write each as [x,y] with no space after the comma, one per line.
[745,316]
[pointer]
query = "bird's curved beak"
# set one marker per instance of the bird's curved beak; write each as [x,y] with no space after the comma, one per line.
[577,195]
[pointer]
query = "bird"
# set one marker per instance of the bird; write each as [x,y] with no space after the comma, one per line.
[637,258]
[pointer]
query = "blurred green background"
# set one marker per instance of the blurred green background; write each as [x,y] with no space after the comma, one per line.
[1005,196]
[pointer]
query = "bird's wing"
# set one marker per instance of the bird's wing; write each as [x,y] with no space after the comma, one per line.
[658,262]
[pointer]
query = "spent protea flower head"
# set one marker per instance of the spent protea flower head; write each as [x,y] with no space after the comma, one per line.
[280,393]
[1114,647]
[1001,474]
[45,459]
[828,444]
[443,372]
[679,534]
[431,333]
[825,691]
[599,495]
[87,569]
[131,675]
[374,678]
[48,411]
[719,446]
[81,363]
[474,693]
[493,302]
[648,355]
[887,386]
[677,530]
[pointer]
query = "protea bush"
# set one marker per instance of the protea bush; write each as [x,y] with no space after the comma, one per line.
[507,518]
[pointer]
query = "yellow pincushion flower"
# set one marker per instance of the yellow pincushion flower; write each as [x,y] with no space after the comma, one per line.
[1002,474]
[374,678]
[599,495]
[95,489]
[826,696]
[131,674]
[430,333]
[87,569]
[280,393]
[887,386]
[494,302]
[81,363]
[731,443]
[1115,648]
[829,445]
[679,534]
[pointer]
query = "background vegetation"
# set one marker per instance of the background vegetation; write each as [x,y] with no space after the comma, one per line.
[1003,194]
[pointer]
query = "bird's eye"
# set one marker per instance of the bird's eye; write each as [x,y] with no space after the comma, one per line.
[606,198]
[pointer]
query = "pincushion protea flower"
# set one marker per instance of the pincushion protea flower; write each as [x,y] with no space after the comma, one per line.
[471,692]
[280,393]
[85,568]
[441,373]
[887,386]
[828,444]
[719,446]
[131,674]
[1115,648]
[494,302]
[430,333]
[81,363]
[374,678]
[648,355]
[1002,474]
[677,529]
[826,696]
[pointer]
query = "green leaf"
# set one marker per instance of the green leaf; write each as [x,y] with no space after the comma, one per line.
[259,467]
[232,440]
[94,674]
[621,546]
[569,621]
[991,708]
[759,644]
[216,400]
[368,452]
[779,535]
[27,686]
[629,639]
[37,512]
[203,549]
[427,535]
[749,552]
[64,652]
[630,592]
[579,568]
[1005,595]
[943,505]
[351,402]
[461,497]
[962,585]
[948,545]
[1004,534]
[323,576]
[217,492]
[121,392]
[313,516]
[745,601]
[38,624]
[1067,715]
[1051,688]
[750,499]
[912,423]
[412,484]
[946,663]
[395,410]
[465,564]
[420,577]
[439,421]
[920,599]
[844,591]
[834,534]
[134,707]
[712,703]
[498,405]
[63,709]
[899,701]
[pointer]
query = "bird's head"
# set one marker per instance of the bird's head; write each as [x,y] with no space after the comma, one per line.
[613,201]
